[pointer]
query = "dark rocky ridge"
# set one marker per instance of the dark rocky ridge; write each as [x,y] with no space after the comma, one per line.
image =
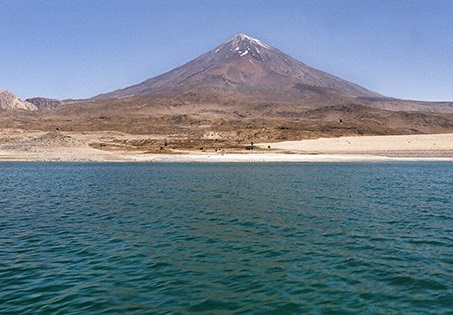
[44,103]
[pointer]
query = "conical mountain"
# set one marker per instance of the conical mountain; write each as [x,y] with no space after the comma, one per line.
[246,66]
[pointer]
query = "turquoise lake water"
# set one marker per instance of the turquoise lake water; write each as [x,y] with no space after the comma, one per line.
[89,238]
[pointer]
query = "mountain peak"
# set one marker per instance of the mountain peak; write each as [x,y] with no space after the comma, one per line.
[242,45]
[242,39]
[242,36]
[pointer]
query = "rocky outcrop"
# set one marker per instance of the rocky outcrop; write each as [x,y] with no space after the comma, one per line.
[44,103]
[10,101]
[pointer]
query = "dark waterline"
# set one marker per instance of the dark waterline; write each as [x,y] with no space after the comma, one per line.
[333,238]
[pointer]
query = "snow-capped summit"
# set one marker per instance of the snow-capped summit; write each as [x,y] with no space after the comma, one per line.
[240,37]
[241,45]
[246,66]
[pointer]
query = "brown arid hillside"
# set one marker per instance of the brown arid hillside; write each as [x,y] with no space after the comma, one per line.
[222,123]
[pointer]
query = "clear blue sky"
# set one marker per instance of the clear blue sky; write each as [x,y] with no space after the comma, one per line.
[80,48]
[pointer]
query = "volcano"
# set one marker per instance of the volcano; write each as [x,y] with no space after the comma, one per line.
[248,67]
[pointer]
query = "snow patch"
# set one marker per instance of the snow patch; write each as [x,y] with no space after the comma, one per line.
[242,36]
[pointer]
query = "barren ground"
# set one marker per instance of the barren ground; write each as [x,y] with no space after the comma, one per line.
[197,127]
[20,145]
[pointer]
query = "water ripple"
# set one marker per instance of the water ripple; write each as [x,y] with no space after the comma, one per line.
[226,239]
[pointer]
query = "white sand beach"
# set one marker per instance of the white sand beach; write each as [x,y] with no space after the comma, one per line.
[403,146]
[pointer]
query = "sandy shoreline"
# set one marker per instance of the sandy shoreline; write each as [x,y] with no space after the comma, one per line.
[18,145]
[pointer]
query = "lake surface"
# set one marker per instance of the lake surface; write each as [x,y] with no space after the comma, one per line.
[88,238]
